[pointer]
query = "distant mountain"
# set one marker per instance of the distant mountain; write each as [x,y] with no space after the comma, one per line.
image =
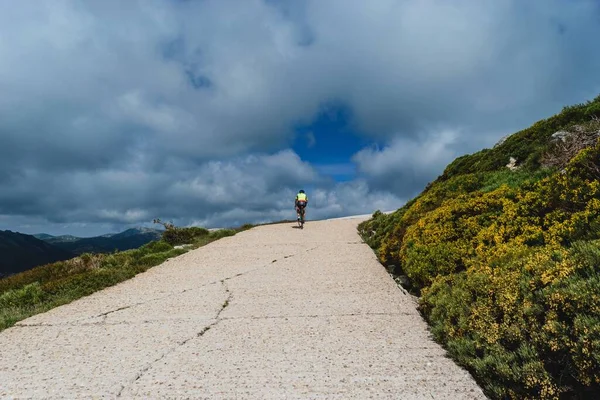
[136,232]
[108,235]
[19,252]
[42,236]
[129,239]
[60,239]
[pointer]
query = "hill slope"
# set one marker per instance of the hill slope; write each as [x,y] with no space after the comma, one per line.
[20,253]
[504,250]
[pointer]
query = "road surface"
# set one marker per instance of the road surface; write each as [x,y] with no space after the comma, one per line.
[271,313]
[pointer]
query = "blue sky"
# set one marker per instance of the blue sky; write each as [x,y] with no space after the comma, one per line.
[329,142]
[214,113]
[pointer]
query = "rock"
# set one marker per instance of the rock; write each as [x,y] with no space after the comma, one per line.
[390,268]
[560,135]
[403,281]
[512,164]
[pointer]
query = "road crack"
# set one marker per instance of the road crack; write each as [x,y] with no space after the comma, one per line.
[182,343]
[104,315]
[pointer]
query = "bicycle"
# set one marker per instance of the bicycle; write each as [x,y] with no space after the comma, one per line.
[300,212]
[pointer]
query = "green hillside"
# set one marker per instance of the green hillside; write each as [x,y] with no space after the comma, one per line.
[19,252]
[506,260]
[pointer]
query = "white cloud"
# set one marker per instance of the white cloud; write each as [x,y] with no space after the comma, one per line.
[182,109]
[422,156]
[351,198]
[400,65]
[256,188]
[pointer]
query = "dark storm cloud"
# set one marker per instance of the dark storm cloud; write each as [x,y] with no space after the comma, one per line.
[113,113]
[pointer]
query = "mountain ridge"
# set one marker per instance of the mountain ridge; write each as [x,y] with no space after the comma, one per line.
[131,238]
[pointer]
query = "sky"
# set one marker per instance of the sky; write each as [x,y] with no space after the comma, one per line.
[216,112]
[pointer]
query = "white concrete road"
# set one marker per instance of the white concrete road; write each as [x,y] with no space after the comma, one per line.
[271,313]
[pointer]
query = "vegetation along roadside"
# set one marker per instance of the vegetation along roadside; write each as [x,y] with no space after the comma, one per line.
[503,250]
[48,286]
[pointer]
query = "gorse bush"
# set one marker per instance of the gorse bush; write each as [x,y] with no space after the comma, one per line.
[507,263]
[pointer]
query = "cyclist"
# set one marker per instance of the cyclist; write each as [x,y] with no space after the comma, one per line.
[300,202]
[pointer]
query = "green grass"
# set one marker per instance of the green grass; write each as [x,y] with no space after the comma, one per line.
[513,179]
[43,288]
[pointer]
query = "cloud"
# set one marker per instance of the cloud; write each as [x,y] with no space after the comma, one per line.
[113,113]
[337,200]
[404,164]
[352,198]
[253,188]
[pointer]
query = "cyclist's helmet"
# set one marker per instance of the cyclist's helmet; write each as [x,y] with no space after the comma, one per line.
[301,191]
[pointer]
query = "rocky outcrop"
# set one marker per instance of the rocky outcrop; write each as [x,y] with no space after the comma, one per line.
[560,135]
[512,164]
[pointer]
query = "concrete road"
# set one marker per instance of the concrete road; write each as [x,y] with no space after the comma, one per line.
[272,313]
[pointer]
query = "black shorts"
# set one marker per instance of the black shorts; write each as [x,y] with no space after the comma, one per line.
[301,204]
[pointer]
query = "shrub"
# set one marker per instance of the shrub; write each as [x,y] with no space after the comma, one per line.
[246,227]
[593,110]
[157,246]
[221,233]
[150,260]
[177,236]
[508,263]
[28,295]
